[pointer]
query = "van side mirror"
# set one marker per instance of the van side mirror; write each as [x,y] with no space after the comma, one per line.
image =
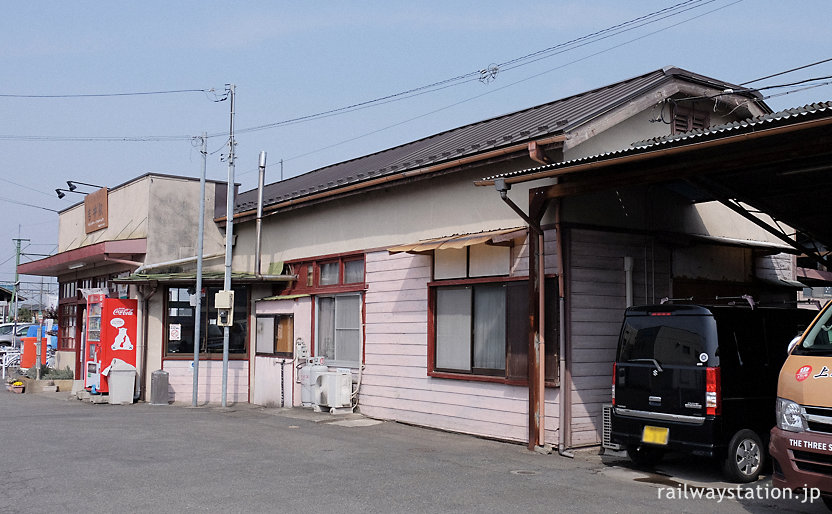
[792,344]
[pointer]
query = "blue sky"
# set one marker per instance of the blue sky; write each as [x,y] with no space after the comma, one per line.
[292,59]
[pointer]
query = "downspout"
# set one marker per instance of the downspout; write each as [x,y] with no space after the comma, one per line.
[145,299]
[259,224]
[536,353]
[565,401]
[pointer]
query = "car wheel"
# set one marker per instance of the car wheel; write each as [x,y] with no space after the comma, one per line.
[745,457]
[645,455]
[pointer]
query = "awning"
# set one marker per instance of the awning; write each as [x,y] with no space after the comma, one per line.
[283,297]
[108,252]
[212,277]
[501,237]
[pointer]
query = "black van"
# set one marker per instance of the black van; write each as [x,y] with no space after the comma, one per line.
[701,380]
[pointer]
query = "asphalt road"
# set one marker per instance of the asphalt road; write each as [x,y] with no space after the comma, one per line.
[63,455]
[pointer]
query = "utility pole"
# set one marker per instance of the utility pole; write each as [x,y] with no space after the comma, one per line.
[15,296]
[229,239]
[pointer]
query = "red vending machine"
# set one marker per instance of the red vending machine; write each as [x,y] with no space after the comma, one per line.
[111,334]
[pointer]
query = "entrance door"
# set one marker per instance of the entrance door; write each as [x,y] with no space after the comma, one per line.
[273,360]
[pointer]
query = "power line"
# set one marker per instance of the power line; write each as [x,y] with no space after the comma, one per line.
[474,75]
[787,71]
[25,187]
[513,83]
[105,95]
[27,204]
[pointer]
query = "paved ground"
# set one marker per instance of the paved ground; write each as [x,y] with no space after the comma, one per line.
[63,455]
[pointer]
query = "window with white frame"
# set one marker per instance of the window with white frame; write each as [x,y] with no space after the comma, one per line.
[338,329]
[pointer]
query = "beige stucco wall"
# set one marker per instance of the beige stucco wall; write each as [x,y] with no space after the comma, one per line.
[444,205]
[127,210]
[162,209]
[173,222]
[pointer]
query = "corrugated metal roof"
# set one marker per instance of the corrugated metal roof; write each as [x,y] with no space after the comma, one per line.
[529,124]
[458,241]
[788,116]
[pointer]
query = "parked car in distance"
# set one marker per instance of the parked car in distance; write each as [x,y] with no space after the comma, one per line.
[9,339]
[701,380]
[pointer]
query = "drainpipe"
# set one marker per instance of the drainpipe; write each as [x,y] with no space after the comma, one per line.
[259,224]
[536,352]
[565,401]
[628,280]
[145,302]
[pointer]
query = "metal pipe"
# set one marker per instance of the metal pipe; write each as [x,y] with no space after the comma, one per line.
[541,351]
[199,245]
[184,260]
[259,224]
[565,386]
[628,280]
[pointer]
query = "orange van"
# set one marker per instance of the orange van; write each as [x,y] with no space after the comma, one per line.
[801,443]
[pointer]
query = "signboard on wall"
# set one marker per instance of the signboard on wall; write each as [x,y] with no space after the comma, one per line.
[95,211]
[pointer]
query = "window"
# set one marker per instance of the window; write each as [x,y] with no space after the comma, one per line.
[354,271]
[67,325]
[181,318]
[338,331]
[482,329]
[328,273]
[275,335]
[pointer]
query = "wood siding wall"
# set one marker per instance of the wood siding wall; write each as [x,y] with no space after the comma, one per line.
[396,385]
[596,303]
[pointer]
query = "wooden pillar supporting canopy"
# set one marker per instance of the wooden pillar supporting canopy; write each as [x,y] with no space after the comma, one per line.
[536,351]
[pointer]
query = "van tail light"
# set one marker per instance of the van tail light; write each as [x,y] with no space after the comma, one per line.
[614,370]
[713,392]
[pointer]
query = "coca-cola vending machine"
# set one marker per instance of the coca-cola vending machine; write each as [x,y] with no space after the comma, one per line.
[111,334]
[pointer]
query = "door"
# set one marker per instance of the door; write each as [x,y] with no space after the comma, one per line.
[273,360]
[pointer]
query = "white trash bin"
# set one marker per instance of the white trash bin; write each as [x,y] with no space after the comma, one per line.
[121,378]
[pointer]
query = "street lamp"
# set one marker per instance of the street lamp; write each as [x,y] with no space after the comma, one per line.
[62,192]
[72,185]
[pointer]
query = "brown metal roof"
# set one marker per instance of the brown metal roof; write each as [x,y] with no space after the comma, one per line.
[504,131]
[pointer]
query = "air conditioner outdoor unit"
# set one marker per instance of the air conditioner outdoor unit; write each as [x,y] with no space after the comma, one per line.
[607,429]
[335,389]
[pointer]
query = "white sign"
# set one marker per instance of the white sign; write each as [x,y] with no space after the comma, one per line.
[175,332]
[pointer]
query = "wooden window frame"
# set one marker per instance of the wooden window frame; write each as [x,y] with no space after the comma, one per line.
[432,371]
[275,352]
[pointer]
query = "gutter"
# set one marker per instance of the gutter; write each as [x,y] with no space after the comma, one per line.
[403,175]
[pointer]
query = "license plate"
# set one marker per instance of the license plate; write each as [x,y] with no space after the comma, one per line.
[655,435]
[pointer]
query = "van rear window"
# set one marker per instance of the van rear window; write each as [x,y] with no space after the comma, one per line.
[673,340]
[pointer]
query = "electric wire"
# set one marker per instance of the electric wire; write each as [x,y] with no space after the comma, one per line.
[512,83]
[472,76]
[25,187]
[787,71]
[105,95]
[26,204]
[611,31]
